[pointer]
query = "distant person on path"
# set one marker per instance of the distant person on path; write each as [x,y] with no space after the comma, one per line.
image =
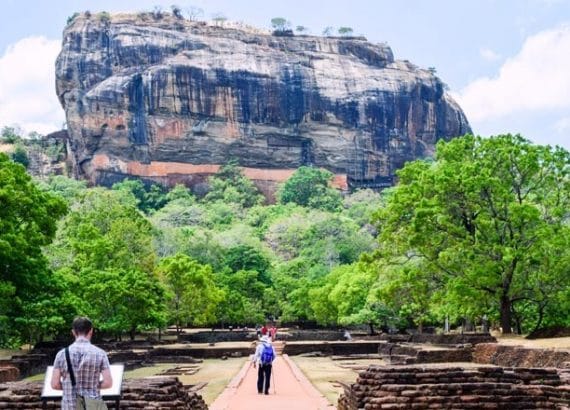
[263,360]
[88,364]
[265,329]
[272,332]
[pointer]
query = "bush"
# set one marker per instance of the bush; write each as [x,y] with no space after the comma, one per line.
[20,155]
[10,135]
[104,16]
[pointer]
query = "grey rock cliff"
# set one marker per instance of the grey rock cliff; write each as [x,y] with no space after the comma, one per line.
[170,100]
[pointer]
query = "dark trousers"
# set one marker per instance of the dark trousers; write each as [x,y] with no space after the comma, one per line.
[263,374]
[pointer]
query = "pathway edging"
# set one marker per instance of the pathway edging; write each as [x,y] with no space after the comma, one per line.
[307,385]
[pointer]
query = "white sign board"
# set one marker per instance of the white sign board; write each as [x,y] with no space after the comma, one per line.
[114,391]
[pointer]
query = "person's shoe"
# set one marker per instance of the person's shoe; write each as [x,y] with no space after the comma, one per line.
[266,392]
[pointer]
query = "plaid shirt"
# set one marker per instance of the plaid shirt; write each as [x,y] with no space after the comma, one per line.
[88,362]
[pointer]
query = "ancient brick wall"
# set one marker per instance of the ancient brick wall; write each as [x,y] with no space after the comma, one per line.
[440,339]
[410,353]
[455,388]
[8,373]
[332,348]
[517,356]
[148,393]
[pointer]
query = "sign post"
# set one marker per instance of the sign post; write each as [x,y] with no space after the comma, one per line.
[113,393]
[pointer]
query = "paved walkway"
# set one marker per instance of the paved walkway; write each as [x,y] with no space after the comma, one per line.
[290,390]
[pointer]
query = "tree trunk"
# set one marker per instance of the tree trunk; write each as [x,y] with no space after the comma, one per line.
[371,325]
[506,313]
[540,318]
[132,333]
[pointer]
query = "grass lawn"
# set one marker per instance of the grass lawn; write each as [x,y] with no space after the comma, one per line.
[324,373]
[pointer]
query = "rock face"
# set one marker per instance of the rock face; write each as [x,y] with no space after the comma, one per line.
[171,100]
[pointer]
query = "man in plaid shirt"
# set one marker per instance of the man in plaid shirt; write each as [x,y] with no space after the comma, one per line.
[88,362]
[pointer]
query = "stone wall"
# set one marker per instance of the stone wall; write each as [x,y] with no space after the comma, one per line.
[246,336]
[440,339]
[218,336]
[410,353]
[332,348]
[148,393]
[405,387]
[517,356]
[8,373]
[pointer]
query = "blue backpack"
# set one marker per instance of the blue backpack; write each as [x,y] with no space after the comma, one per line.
[267,354]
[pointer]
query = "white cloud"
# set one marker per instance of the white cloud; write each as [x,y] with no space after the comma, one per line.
[536,80]
[27,85]
[489,55]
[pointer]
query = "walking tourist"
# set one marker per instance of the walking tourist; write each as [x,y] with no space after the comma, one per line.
[263,360]
[273,332]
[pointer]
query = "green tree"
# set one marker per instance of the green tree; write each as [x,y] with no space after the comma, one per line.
[345,31]
[280,23]
[149,198]
[243,297]
[68,188]
[246,257]
[10,135]
[310,187]
[20,156]
[100,232]
[28,218]
[192,293]
[229,185]
[488,218]
[219,18]
[327,31]
[122,300]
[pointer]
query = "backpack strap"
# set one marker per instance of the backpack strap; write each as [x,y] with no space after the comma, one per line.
[69,367]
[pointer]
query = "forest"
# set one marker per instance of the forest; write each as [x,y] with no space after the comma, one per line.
[480,231]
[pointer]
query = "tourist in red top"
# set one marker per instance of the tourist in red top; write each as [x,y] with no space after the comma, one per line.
[273,332]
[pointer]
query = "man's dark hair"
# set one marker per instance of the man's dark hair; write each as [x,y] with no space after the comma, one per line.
[82,325]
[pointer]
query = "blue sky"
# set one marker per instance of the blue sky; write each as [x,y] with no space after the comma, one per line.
[506,61]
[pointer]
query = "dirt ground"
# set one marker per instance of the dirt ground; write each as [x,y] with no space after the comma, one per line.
[217,373]
[554,343]
[6,354]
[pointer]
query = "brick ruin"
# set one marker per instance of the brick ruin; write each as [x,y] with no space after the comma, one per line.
[148,393]
[430,387]
[8,373]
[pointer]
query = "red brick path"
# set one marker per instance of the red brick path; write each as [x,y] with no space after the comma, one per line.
[290,390]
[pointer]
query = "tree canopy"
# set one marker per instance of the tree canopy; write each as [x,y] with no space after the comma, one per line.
[481,230]
[28,218]
[489,222]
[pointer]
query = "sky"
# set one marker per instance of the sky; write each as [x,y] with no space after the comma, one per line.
[507,62]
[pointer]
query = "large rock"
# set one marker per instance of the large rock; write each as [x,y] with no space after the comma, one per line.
[171,100]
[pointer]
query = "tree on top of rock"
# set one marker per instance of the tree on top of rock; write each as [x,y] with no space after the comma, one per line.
[280,23]
[345,31]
